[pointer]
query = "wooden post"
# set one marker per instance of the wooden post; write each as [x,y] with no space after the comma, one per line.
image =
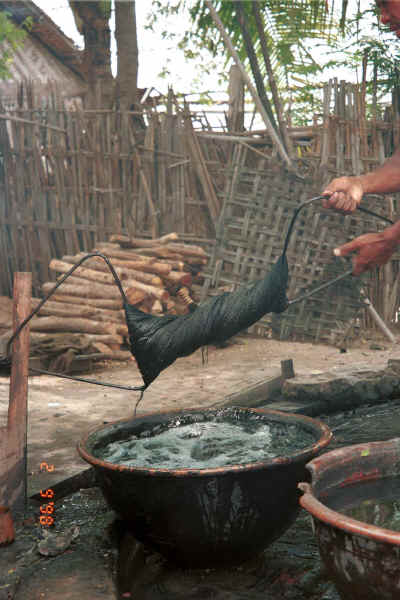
[236,100]
[381,324]
[287,368]
[13,484]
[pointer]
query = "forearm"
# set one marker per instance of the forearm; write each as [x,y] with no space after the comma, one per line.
[385,179]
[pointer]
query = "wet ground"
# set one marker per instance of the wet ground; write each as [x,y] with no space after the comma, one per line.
[92,548]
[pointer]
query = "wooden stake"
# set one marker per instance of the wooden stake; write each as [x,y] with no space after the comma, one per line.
[7,533]
[16,450]
[287,368]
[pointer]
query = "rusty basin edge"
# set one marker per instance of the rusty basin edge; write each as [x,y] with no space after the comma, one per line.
[320,511]
[325,436]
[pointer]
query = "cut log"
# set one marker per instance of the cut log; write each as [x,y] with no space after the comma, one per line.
[176,265]
[114,251]
[75,324]
[157,308]
[63,309]
[196,261]
[122,329]
[151,266]
[99,290]
[188,250]
[146,305]
[160,252]
[84,289]
[151,290]
[146,266]
[83,272]
[116,304]
[170,307]
[97,265]
[178,278]
[128,242]
[135,296]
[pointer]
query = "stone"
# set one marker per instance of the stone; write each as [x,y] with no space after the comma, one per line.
[352,387]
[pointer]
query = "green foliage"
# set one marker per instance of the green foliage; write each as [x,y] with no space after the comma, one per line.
[291,27]
[308,42]
[11,37]
[365,40]
[105,8]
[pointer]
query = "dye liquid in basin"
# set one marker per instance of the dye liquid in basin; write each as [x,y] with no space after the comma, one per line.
[204,443]
[374,502]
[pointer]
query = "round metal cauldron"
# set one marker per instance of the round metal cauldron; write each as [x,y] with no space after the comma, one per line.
[362,560]
[205,517]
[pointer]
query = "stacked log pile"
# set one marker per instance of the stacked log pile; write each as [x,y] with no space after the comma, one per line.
[157,276]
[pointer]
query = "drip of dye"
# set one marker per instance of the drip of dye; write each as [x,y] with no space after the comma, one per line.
[374,502]
[206,444]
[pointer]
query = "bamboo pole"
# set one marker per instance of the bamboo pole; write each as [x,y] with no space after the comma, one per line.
[381,324]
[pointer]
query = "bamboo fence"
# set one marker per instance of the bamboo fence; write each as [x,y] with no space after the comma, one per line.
[260,200]
[69,179]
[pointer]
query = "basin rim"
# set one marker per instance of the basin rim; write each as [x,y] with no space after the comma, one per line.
[320,511]
[301,456]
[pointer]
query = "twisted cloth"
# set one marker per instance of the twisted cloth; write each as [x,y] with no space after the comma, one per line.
[156,342]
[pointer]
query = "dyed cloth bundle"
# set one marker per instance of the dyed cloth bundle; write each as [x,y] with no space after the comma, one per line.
[156,342]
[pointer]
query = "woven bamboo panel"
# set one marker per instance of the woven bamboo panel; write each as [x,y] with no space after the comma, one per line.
[258,207]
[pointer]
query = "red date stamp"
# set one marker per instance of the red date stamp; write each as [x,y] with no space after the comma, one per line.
[47,510]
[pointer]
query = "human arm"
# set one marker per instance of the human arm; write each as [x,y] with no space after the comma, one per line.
[372,249]
[344,194]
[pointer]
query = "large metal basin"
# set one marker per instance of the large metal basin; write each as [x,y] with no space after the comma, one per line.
[362,560]
[204,517]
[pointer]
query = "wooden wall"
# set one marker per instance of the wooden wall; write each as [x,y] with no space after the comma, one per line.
[70,179]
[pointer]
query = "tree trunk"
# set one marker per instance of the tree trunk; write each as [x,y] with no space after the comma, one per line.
[127,53]
[91,19]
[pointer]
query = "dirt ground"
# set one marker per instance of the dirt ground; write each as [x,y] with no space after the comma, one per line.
[61,410]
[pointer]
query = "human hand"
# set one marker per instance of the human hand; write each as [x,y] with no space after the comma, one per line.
[344,194]
[372,250]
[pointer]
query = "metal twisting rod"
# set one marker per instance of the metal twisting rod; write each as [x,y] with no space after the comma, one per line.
[343,275]
[320,287]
